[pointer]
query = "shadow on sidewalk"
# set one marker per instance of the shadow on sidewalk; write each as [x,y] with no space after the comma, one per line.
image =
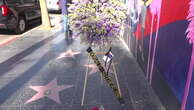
[17,83]
[9,64]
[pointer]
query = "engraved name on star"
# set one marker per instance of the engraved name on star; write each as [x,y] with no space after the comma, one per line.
[68,53]
[51,91]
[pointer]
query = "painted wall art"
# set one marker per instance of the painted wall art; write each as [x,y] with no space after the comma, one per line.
[164,35]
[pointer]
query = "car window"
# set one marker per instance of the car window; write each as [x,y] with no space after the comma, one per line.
[13,1]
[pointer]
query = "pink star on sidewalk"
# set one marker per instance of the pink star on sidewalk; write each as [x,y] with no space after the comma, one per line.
[51,90]
[93,68]
[100,53]
[68,53]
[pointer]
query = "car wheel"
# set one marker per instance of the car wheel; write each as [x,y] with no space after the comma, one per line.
[21,26]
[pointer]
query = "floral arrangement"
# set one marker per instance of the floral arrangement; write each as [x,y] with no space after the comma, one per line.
[96,21]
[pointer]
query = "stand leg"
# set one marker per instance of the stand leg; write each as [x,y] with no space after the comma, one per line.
[109,66]
[116,89]
[85,85]
[121,100]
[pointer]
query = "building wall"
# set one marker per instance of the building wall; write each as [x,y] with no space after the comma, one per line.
[170,50]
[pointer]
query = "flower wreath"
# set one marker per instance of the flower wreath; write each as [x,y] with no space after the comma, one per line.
[96,21]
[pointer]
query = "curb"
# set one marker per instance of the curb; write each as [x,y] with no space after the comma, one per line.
[7,41]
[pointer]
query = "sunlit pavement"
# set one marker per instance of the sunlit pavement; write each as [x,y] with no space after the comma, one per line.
[44,71]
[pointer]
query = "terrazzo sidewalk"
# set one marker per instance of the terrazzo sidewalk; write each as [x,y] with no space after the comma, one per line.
[43,72]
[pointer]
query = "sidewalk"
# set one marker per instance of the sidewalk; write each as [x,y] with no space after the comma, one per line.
[43,71]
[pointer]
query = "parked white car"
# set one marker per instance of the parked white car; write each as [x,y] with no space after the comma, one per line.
[53,5]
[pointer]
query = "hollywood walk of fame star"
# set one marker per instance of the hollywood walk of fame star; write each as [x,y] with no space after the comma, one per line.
[68,53]
[93,68]
[51,91]
[100,53]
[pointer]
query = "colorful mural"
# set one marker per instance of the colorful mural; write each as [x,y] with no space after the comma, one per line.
[155,9]
[190,37]
[164,37]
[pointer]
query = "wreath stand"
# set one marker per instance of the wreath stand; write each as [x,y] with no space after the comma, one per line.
[108,59]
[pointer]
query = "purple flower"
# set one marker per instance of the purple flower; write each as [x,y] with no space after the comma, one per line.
[110,34]
[116,25]
[103,1]
[96,31]
[108,28]
[77,25]
[105,4]
[98,26]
